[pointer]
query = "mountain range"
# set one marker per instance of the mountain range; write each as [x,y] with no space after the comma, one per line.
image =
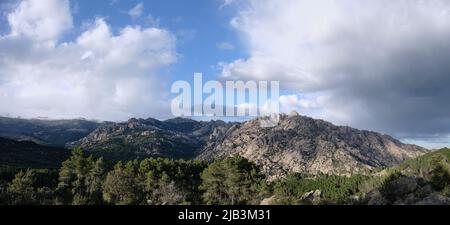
[297,144]
[140,138]
[46,132]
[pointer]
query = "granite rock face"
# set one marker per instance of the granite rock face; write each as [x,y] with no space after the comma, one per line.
[140,138]
[296,144]
[302,144]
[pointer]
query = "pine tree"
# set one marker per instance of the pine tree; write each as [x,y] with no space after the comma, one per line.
[122,185]
[22,188]
[80,179]
[95,181]
[232,181]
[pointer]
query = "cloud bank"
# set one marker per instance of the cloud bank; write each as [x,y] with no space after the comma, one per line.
[99,75]
[380,65]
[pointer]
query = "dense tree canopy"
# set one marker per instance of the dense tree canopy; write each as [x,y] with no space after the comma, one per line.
[85,180]
[333,189]
[80,179]
[232,181]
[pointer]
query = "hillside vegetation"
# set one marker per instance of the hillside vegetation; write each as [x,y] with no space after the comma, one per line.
[83,179]
[30,155]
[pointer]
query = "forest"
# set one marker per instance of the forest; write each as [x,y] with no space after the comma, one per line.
[85,180]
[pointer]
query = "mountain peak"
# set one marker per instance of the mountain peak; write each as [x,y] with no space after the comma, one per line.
[303,144]
[297,144]
[180,120]
[293,114]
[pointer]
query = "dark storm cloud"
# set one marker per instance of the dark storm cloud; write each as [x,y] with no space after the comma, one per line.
[379,65]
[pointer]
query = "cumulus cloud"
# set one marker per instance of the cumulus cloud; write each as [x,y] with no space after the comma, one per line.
[42,20]
[137,10]
[382,65]
[100,74]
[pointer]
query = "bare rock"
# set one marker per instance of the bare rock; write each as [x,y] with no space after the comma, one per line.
[302,144]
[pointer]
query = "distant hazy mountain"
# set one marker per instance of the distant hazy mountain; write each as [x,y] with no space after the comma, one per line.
[302,144]
[46,132]
[27,154]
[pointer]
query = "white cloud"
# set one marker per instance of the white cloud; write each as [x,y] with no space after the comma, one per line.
[309,104]
[293,101]
[137,10]
[100,75]
[43,20]
[225,46]
[382,64]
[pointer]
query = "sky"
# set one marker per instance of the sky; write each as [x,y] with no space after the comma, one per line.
[377,65]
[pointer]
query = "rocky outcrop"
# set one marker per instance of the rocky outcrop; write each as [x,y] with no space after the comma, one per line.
[312,196]
[140,138]
[296,144]
[302,144]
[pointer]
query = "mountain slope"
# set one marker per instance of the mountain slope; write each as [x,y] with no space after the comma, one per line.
[140,138]
[297,144]
[302,144]
[424,180]
[46,132]
[28,154]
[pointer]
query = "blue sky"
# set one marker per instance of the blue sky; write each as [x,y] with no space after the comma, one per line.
[199,28]
[359,64]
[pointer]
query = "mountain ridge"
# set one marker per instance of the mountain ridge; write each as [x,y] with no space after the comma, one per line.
[174,138]
[303,144]
[297,144]
[46,132]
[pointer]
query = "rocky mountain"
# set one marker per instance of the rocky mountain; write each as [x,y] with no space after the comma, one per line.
[297,144]
[302,144]
[140,138]
[46,132]
[27,154]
